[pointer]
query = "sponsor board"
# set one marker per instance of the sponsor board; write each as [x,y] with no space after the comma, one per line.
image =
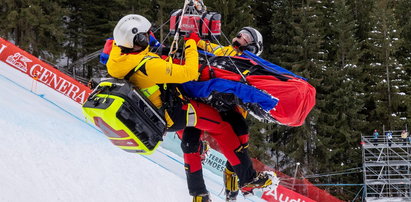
[215,162]
[43,72]
[283,194]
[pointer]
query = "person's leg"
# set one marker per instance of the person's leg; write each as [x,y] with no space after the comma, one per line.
[261,179]
[237,121]
[209,119]
[230,182]
[190,144]
[240,127]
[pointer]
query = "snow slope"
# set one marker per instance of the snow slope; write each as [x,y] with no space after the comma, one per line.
[48,153]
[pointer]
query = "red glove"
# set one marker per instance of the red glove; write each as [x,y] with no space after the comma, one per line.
[193,36]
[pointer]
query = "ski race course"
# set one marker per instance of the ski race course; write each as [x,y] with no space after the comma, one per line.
[49,153]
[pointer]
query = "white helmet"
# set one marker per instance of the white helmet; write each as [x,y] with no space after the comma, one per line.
[130,30]
[256,46]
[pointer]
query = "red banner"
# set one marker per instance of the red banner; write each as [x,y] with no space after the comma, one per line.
[45,73]
[283,194]
[304,192]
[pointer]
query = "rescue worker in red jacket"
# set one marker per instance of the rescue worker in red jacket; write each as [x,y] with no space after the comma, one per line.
[130,59]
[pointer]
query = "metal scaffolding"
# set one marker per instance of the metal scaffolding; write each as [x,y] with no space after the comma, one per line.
[386,167]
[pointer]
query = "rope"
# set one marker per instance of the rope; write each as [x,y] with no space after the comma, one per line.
[316,176]
[162,26]
[162,42]
[347,171]
[175,41]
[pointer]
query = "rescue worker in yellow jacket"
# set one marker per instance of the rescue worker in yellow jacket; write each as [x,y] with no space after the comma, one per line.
[130,59]
[131,49]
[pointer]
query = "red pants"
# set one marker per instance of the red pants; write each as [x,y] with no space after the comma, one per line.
[210,120]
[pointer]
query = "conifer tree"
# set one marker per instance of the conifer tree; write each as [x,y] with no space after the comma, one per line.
[383,43]
[274,21]
[260,144]
[403,14]
[278,31]
[298,144]
[307,62]
[361,14]
[235,14]
[160,14]
[341,120]
[36,26]
[89,24]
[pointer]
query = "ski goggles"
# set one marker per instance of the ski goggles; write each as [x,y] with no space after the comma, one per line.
[246,36]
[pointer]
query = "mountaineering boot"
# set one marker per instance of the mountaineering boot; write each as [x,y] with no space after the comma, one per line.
[202,198]
[230,184]
[262,180]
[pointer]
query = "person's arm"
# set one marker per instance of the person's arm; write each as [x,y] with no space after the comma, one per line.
[161,71]
[207,46]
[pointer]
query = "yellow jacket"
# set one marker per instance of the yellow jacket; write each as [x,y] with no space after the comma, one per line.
[156,70]
[217,49]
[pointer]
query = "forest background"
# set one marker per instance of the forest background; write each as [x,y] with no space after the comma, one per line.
[356,53]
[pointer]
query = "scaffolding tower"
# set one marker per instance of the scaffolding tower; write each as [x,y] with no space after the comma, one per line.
[387,167]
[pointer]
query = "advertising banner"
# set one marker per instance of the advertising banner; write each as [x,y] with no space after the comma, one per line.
[42,72]
[284,195]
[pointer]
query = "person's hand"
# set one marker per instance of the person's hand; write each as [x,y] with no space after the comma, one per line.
[193,36]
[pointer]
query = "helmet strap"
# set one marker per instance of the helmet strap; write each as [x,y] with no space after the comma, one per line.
[236,44]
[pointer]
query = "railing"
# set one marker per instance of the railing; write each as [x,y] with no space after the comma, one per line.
[387,167]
